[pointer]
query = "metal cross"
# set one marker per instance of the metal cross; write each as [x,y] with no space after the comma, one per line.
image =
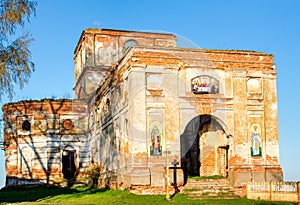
[175,163]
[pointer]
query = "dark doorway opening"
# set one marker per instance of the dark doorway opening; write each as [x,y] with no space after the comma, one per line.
[190,143]
[68,163]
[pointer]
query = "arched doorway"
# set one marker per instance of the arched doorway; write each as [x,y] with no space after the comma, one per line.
[204,149]
[68,162]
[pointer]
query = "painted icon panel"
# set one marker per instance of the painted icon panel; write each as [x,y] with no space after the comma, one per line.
[156,138]
[204,85]
[256,140]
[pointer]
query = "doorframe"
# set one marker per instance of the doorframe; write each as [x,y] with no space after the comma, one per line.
[191,134]
[69,148]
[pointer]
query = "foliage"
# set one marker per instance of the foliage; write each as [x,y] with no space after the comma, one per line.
[15,57]
[89,195]
[93,174]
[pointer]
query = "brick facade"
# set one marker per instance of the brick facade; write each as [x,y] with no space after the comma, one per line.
[143,102]
[34,153]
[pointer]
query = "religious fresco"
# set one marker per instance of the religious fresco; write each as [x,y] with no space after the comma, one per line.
[204,84]
[155,138]
[256,140]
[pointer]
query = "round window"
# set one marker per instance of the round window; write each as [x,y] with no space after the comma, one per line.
[68,124]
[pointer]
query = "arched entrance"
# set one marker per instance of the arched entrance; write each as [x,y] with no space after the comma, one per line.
[68,162]
[204,148]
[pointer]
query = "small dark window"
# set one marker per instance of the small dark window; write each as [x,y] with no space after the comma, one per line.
[26,125]
[108,102]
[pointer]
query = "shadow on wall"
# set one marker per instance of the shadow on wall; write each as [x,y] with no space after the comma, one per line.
[38,133]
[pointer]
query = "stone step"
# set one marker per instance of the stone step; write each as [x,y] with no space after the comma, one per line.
[208,184]
[213,181]
[209,188]
[205,183]
[206,191]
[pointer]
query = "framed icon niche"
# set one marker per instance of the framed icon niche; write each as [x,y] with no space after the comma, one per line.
[204,84]
[155,132]
[255,140]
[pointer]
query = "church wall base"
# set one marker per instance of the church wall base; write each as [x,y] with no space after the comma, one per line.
[139,176]
[239,176]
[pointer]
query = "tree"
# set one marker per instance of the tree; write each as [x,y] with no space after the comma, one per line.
[16,66]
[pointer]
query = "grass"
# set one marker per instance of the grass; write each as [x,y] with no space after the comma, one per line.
[205,193]
[87,195]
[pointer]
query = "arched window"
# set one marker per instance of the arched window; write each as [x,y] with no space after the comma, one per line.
[127,44]
[26,125]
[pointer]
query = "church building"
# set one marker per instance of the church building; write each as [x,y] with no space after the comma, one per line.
[140,103]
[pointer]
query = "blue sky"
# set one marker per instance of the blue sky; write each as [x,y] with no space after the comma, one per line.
[268,26]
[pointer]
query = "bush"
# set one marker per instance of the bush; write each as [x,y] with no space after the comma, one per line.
[93,174]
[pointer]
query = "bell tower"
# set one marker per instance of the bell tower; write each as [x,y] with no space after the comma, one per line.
[99,49]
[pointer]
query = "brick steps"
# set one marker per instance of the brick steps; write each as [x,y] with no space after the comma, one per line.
[209,188]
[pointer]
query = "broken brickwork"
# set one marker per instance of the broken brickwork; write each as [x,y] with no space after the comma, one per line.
[147,102]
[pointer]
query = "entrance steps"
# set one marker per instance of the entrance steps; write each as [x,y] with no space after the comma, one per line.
[209,188]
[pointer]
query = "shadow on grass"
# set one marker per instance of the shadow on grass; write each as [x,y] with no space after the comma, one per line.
[89,195]
[22,194]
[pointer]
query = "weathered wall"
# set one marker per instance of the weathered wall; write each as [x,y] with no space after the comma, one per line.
[159,92]
[33,151]
[274,191]
[143,104]
[97,50]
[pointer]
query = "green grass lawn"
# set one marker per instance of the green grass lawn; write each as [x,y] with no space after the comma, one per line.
[87,195]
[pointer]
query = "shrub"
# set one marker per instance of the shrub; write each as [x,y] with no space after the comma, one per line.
[93,174]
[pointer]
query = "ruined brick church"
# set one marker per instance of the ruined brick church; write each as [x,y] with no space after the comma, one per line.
[141,102]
